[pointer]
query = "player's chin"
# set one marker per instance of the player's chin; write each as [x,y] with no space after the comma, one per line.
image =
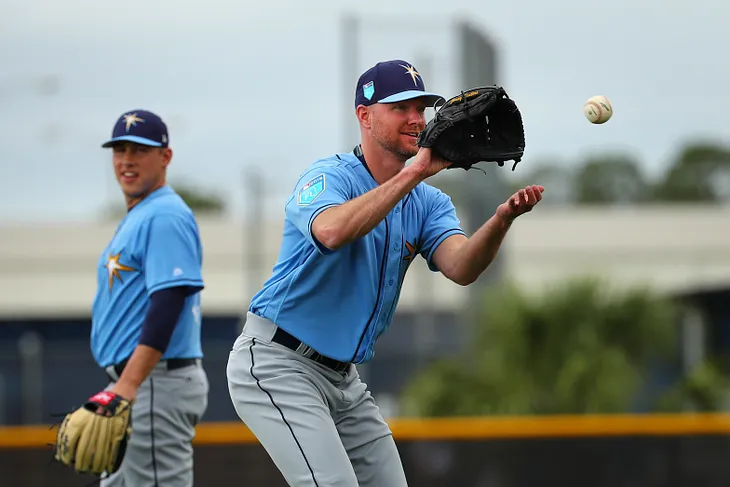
[127,185]
[132,189]
[409,145]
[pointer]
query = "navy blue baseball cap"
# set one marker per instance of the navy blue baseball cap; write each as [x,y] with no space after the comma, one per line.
[390,82]
[139,126]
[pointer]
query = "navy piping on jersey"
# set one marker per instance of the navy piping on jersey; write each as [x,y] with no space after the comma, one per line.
[281,413]
[403,243]
[439,237]
[315,215]
[358,153]
[405,201]
[377,297]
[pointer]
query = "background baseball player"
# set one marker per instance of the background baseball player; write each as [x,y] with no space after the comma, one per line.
[354,223]
[146,315]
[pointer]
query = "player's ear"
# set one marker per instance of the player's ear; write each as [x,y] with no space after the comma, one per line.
[364,116]
[167,155]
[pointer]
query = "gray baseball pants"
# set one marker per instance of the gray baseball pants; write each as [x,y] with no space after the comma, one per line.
[159,452]
[320,427]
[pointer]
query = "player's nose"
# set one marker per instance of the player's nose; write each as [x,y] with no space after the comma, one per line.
[416,118]
[417,126]
[126,160]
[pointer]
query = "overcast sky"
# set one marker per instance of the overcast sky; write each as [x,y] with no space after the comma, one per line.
[244,85]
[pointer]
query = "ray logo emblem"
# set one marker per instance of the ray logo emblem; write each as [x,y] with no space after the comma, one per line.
[311,191]
[368,89]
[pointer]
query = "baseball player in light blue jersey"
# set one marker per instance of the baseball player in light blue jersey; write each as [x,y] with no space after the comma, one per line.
[146,315]
[353,225]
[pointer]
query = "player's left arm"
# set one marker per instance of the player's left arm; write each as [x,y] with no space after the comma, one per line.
[172,273]
[463,259]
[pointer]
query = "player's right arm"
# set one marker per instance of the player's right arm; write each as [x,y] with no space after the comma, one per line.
[351,219]
[340,225]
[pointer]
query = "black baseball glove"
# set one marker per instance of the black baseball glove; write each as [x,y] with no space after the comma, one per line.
[481,124]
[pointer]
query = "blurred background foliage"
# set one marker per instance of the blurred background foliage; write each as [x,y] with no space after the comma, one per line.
[200,201]
[579,347]
[699,172]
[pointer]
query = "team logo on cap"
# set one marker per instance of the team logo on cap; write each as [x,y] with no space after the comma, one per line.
[368,89]
[131,119]
[412,71]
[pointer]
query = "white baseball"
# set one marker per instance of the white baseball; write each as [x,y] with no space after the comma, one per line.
[598,109]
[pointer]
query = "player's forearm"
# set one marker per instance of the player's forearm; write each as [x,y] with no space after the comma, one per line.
[475,255]
[138,368]
[343,224]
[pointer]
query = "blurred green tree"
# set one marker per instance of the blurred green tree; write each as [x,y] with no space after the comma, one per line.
[699,173]
[579,348]
[553,174]
[201,202]
[610,178]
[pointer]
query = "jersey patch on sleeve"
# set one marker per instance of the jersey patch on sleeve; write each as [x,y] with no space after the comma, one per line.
[311,191]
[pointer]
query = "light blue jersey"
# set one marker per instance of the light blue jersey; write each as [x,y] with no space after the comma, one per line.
[340,302]
[156,246]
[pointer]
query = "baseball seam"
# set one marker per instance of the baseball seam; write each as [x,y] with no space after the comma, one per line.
[598,109]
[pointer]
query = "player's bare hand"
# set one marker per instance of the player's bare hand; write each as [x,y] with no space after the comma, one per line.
[520,203]
[427,163]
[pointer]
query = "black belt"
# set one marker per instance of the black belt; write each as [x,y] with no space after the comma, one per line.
[283,338]
[170,364]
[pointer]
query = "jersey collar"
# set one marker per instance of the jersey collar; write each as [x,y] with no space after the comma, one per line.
[358,153]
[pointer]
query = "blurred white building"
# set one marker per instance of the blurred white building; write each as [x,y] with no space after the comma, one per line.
[49,271]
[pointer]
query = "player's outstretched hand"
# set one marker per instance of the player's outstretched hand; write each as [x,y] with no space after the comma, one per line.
[520,203]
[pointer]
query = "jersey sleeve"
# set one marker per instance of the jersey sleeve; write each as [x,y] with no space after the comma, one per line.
[319,188]
[173,253]
[440,223]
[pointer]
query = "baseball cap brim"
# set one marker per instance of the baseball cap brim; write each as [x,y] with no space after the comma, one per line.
[132,138]
[431,98]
